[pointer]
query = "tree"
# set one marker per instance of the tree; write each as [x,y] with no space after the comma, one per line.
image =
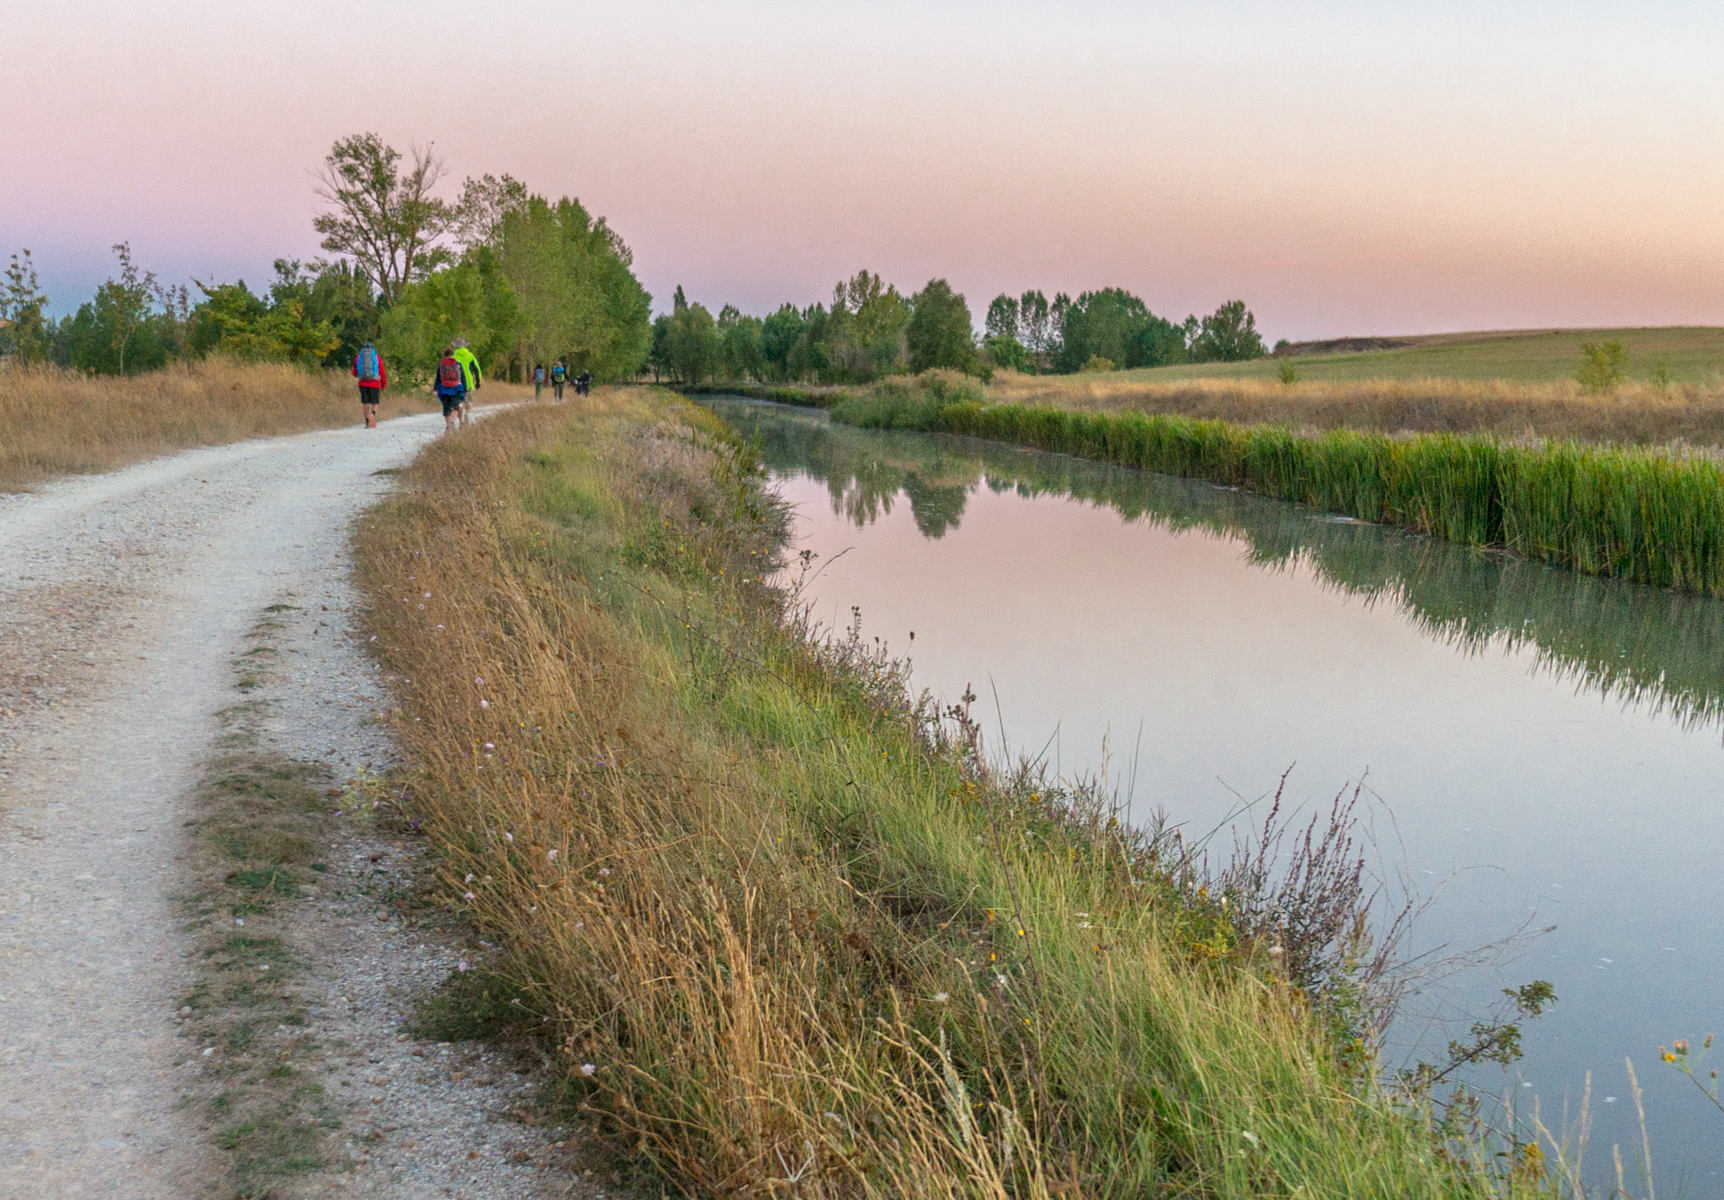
[1117,327]
[471,301]
[939,333]
[1601,365]
[688,348]
[1229,334]
[24,333]
[739,341]
[1002,318]
[579,296]
[780,335]
[385,220]
[125,302]
[1035,328]
[477,219]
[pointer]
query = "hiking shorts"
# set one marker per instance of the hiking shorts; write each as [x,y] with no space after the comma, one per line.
[451,402]
[369,395]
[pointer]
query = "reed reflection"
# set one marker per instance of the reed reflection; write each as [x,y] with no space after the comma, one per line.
[1643,647]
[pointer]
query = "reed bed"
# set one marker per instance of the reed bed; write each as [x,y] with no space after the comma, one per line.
[59,422]
[1631,414]
[1650,516]
[786,932]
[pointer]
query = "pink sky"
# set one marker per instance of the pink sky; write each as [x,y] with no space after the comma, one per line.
[1344,168]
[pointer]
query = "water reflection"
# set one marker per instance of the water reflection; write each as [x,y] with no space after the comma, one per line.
[1658,651]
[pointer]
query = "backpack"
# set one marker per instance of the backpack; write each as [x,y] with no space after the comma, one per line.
[368,372]
[449,376]
[558,374]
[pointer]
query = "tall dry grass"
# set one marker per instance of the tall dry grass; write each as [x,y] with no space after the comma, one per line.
[58,422]
[1632,414]
[787,938]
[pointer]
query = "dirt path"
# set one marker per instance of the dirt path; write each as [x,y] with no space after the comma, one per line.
[125,602]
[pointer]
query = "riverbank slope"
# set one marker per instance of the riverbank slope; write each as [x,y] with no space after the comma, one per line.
[781,926]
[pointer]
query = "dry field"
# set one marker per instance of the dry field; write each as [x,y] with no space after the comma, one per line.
[58,422]
[1634,414]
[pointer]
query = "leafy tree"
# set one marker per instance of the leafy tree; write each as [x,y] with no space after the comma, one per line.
[1002,318]
[25,333]
[686,341]
[485,202]
[385,219]
[939,333]
[1035,327]
[1229,334]
[739,344]
[472,301]
[120,331]
[578,293]
[780,335]
[1002,342]
[1601,365]
[310,315]
[1115,326]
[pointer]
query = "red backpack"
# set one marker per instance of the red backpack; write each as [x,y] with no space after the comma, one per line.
[449,376]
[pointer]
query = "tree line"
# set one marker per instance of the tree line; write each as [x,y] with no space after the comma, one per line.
[523,279]
[871,330]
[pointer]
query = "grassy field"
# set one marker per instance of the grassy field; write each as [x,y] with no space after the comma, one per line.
[57,422]
[785,932]
[1688,355]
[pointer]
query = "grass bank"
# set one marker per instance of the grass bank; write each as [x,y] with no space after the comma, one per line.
[785,932]
[1650,516]
[59,422]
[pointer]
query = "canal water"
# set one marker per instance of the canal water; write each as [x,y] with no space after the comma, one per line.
[1537,748]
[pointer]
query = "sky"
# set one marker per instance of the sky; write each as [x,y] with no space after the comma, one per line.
[1345,168]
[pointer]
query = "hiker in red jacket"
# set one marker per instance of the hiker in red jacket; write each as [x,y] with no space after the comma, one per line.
[368,369]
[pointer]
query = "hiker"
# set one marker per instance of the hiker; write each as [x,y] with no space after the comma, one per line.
[584,383]
[368,369]
[471,375]
[538,381]
[559,376]
[450,382]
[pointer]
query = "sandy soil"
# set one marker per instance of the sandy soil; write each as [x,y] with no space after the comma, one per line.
[125,600]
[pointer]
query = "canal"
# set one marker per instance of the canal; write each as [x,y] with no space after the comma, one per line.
[1536,748]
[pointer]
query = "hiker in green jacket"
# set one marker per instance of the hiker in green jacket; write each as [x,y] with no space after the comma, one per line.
[470,372]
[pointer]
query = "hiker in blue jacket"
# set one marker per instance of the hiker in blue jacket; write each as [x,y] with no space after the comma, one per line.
[450,382]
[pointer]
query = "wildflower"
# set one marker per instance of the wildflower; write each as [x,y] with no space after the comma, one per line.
[941,997]
[478,679]
[427,595]
[604,870]
[471,896]
[484,704]
[469,878]
[580,924]
[589,1070]
[1681,1047]
[461,966]
[550,856]
[490,745]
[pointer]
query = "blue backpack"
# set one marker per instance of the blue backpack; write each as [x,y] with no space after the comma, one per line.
[368,372]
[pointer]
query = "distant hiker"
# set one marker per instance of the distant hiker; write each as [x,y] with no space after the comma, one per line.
[368,369]
[584,385]
[538,381]
[450,382]
[559,376]
[470,372]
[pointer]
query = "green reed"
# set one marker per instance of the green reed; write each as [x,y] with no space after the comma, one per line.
[1645,515]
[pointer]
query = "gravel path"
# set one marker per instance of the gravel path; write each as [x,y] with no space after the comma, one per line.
[125,600]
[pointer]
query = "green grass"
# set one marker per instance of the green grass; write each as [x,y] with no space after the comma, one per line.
[775,912]
[1687,354]
[1642,515]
